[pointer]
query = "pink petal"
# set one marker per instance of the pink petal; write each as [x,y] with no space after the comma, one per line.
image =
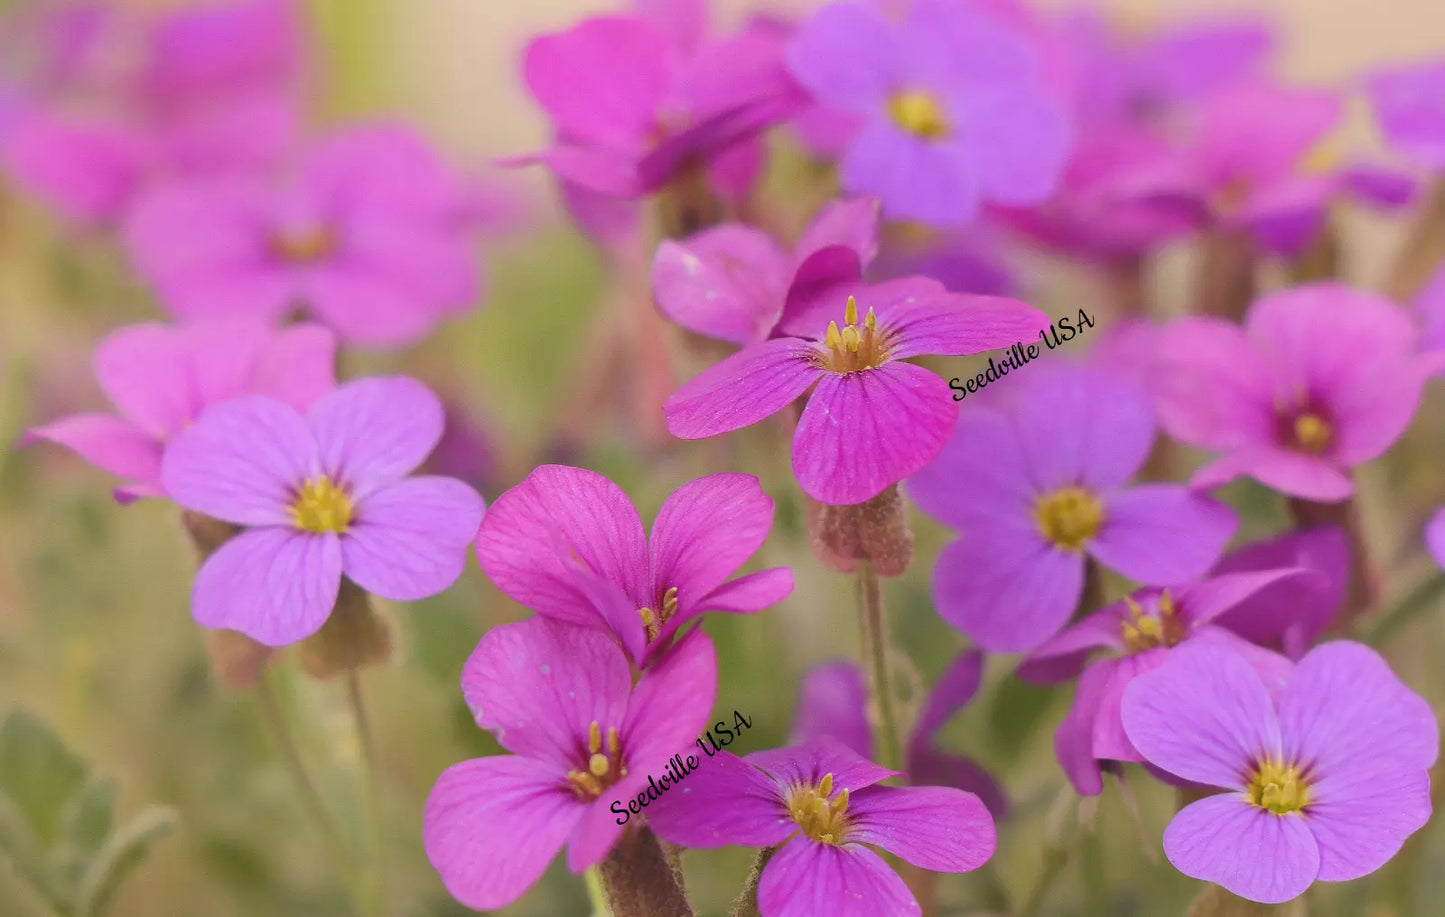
[1079,426]
[705,531]
[754,383]
[1007,589]
[598,832]
[951,693]
[376,430]
[368,306]
[863,431]
[727,282]
[833,701]
[1434,536]
[805,765]
[298,366]
[937,828]
[144,372]
[538,686]
[1074,739]
[108,443]
[845,56]
[1030,139]
[242,462]
[1292,473]
[724,801]
[750,592]
[669,707]
[851,223]
[1162,533]
[915,179]
[1361,820]
[409,540]
[957,324]
[1204,716]
[492,826]
[1063,656]
[275,585]
[1211,389]
[1250,851]
[981,474]
[805,879]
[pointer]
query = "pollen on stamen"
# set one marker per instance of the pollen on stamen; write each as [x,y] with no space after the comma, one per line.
[322,506]
[853,347]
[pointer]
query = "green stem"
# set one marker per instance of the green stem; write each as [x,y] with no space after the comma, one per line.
[596,895]
[875,657]
[1055,858]
[1423,597]
[291,756]
[747,903]
[373,884]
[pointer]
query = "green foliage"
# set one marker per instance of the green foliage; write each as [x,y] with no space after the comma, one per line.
[60,852]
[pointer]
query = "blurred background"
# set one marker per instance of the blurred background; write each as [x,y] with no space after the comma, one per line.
[96,638]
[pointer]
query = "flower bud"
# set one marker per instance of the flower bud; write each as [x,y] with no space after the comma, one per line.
[355,635]
[876,531]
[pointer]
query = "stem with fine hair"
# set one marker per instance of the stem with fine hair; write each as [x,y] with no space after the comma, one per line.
[373,885]
[747,903]
[875,660]
[291,756]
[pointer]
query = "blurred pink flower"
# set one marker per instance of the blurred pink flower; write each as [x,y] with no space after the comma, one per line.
[561,699]
[1409,106]
[1292,615]
[368,236]
[322,495]
[161,379]
[1321,378]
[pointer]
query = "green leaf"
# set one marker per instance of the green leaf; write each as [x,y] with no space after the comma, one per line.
[22,859]
[38,772]
[122,853]
[86,823]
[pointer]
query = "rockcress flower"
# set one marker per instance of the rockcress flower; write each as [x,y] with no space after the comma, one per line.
[1138,635]
[568,544]
[872,419]
[321,496]
[1294,613]
[1406,102]
[820,804]
[368,237]
[1325,781]
[1321,378]
[161,379]
[560,698]
[1036,484]
[952,105]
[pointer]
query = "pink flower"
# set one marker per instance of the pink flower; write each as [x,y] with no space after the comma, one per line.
[872,418]
[322,495]
[1320,379]
[1293,614]
[822,807]
[567,543]
[1138,634]
[368,237]
[1324,782]
[1408,106]
[161,379]
[582,737]
[731,282]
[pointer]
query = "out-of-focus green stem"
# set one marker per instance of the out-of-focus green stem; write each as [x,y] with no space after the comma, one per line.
[747,903]
[291,756]
[1422,598]
[372,879]
[596,895]
[875,662]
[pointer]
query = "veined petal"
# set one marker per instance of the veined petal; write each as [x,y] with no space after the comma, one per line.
[727,282]
[724,801]
[144,372]
[756,382]
[805,765]
[275,585]
[1162,533]
[670,705]
[376,430]
[704,531]
[937,828]
[109,443]
[1250,851]
[409,540]
[806,878]
[1007,589]
[957,324]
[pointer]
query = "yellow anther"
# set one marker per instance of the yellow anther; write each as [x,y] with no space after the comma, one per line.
[825,786]
[840,802]
[833,339]
[598,765]
[614,744]
[917,112]
[321,506]
[1278,788]
[871,321]
[1312,433]
[594,738]
[851,338]
[1069,517]
[850,311]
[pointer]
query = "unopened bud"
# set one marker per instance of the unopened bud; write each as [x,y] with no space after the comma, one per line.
[355,636]
[876,531]
[236,659]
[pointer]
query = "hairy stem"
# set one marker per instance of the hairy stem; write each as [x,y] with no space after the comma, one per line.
[311,799]
[875,662]
[373,884]
[747,903]
[638,880]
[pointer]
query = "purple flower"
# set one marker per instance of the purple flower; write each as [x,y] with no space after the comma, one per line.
[821,805]
[322,495]
[731,282]
[1325,782]
[953,110]
[561,699]
[1139,634]
[568,544]
[1429,308]
[1320,379]
[872,419]
[833,702]
[1409,105]
[1037,485]
[1292,615]
[367,237]
[160,379]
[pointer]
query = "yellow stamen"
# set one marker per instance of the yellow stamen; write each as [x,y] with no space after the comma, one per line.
[601,769]
[820,818]
[918,112]
[1312,433]
[853,347]
[303,245]
[653,621]
[1069,517]
[594,738]
[850,311]
[321,506]
[598,765]
[1143,631]
[1279,788]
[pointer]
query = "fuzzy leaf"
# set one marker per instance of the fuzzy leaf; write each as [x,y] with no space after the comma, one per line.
[38,773]
[23,861]
[122,852]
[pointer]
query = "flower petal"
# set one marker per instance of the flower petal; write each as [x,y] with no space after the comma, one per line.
[833,701]
[1083,427]
[727,282]
[845,56]
[850,223]
[1162,533]
[937,828]
[144,372]
[109,443]
[750,593]
[1291,473]
[1361,818]
[956,324]
[706,529]
[756,382]
[376,430]
[1250,851]
[1291,615]
[863,431]
[367,305]
[1007,589]
[981,474]
[806,878]
[724,801]
[805,765]
[275,585]
[914,179]
[1204,715]
[298,366]
[492,826]
[409,540]
[1063,656]
[670,705]
[1211,390]
[1074,739]
[951,693]
[242,462]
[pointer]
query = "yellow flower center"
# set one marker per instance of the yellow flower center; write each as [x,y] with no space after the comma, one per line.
[853,348]
[322,506]
[1312,433]
[918,112]
[653,621]
[1279,788]
[821,819]
[1145,631]
[1069,517]
[303,245]
[604,767]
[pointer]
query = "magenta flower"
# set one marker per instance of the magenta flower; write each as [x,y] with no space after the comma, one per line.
[1139,634]
[821,806]
[953,109]
[1287,403]
[872,419]
[1325,782]
[1429,308]
[833,702]
[568,544]
[1435,536]
[367,237]
[322,495]
[1037,484]
[1293,614]
[1408,106]
[161,379]
[731,282]
[582,737]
